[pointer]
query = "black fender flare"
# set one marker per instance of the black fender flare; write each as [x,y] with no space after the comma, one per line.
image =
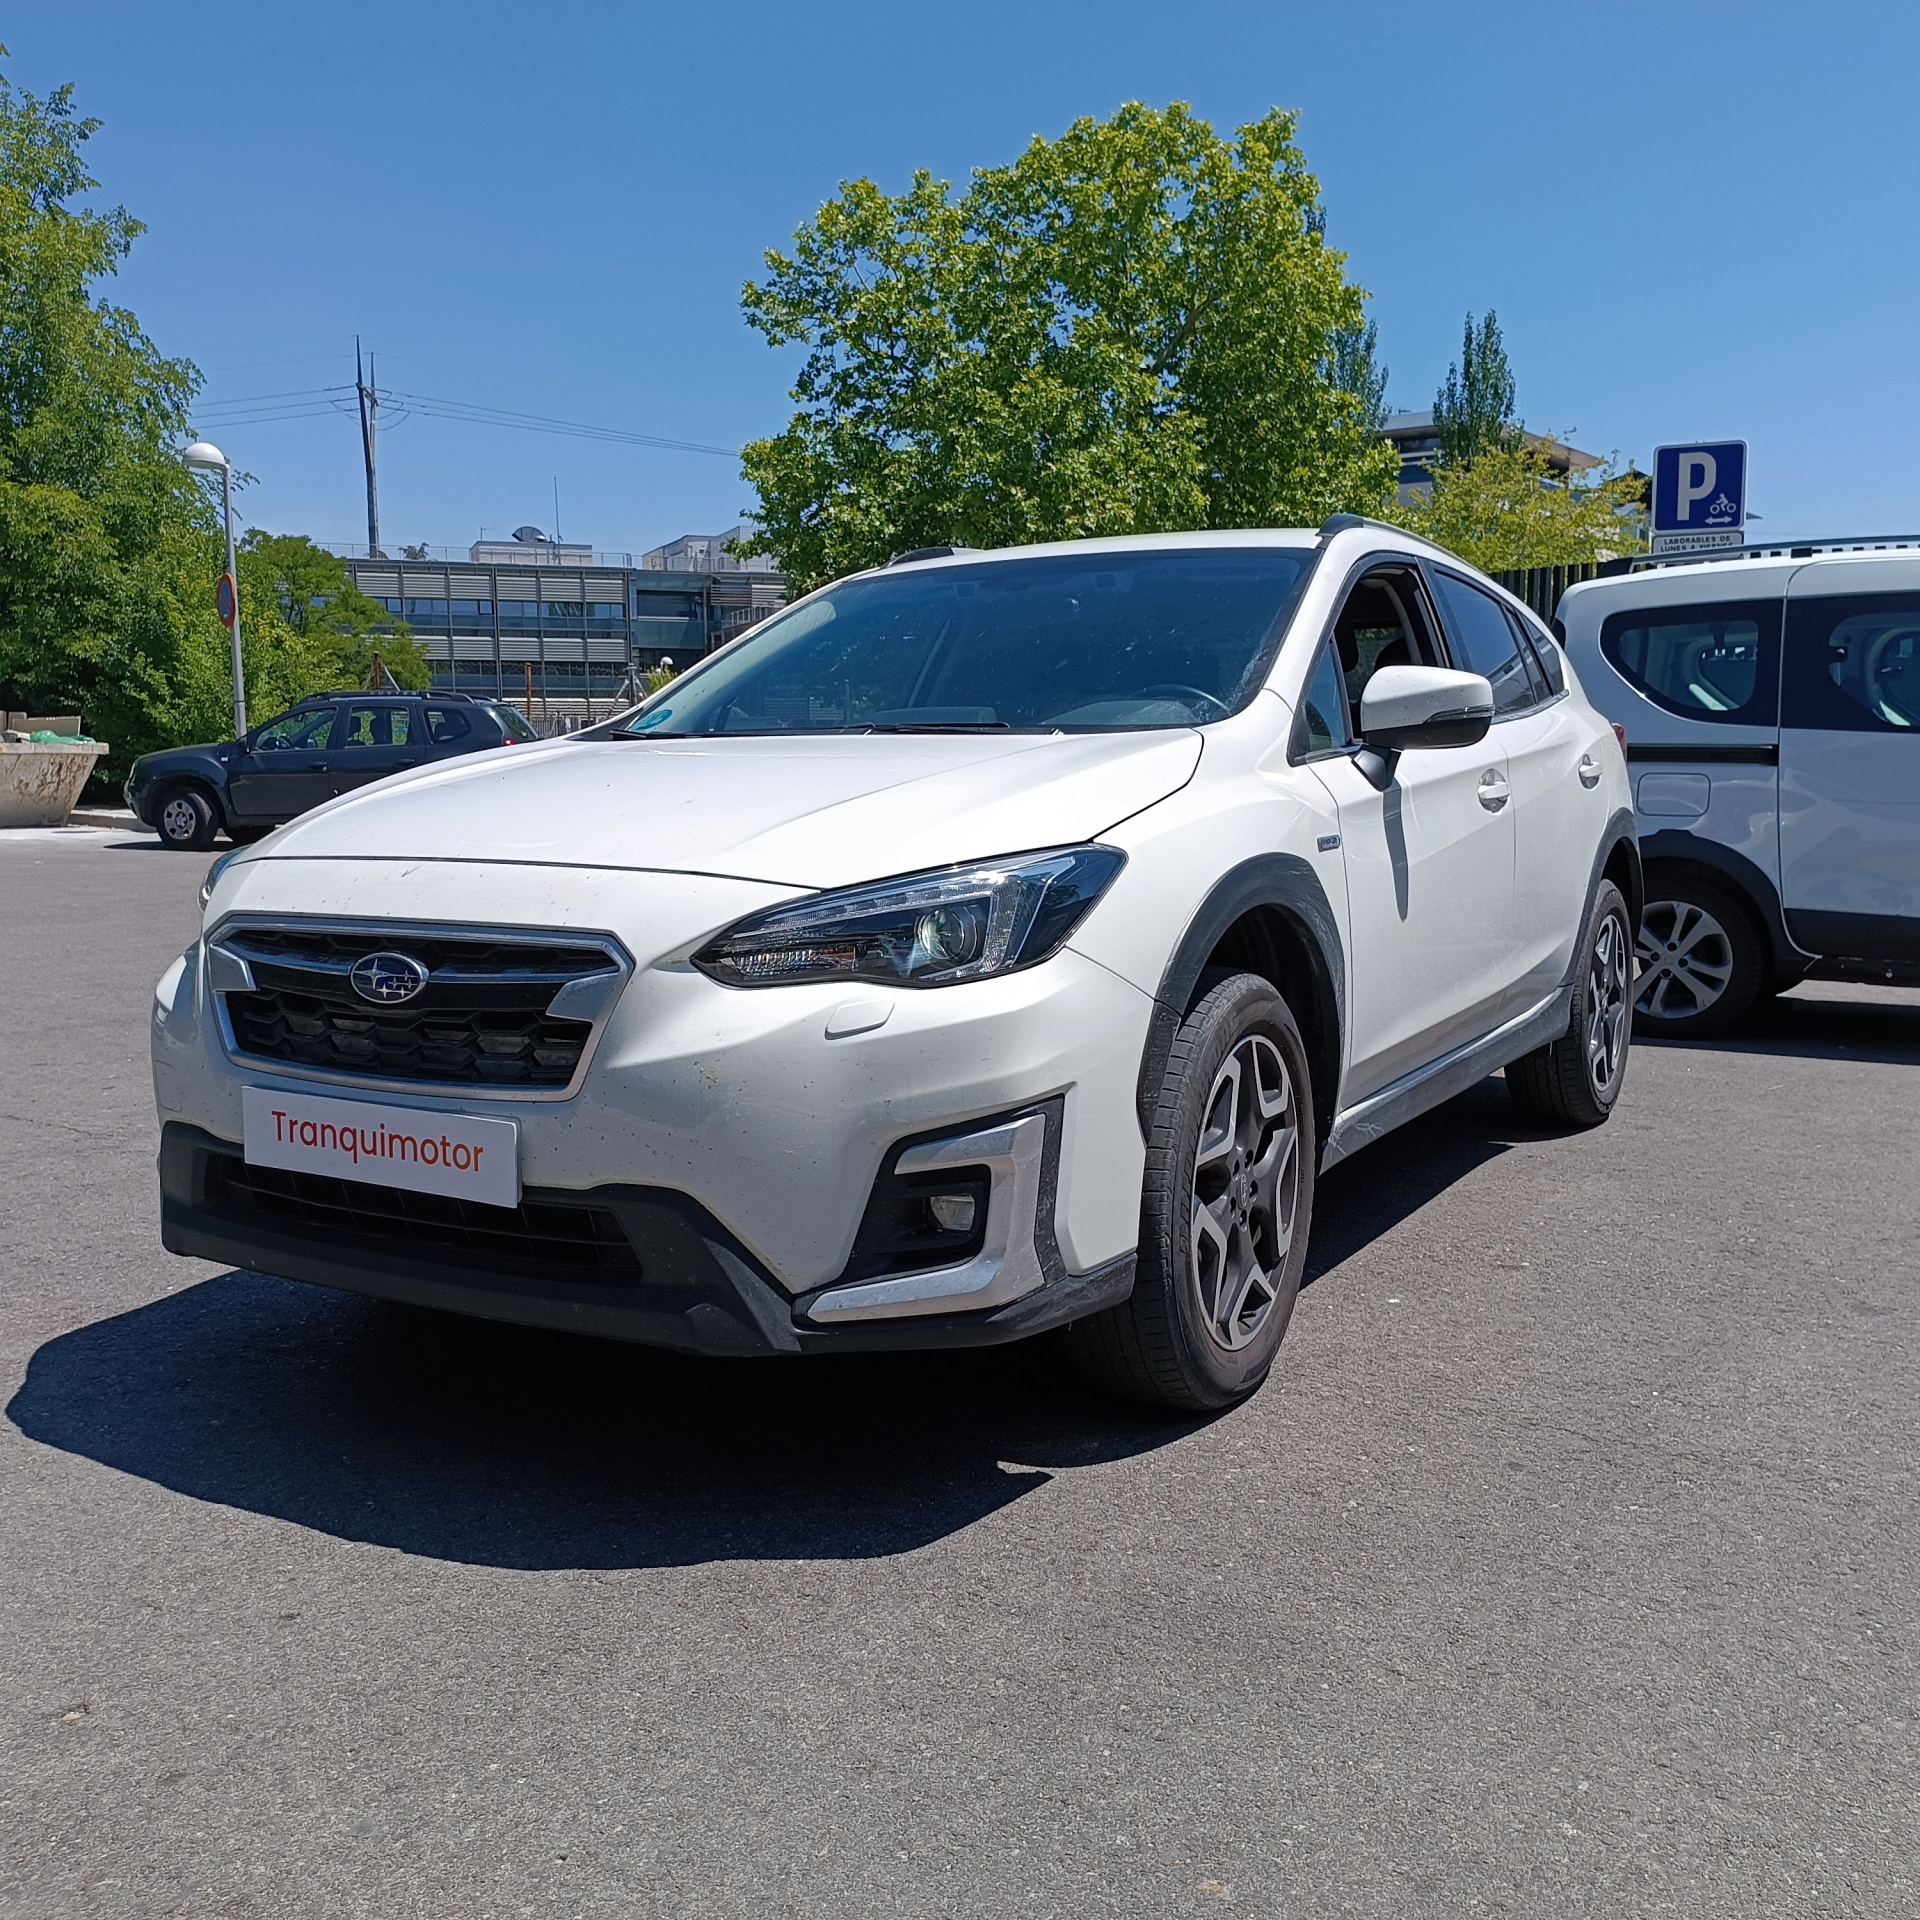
[209,777]
[1622,831]
[1288,884]
[1748,879]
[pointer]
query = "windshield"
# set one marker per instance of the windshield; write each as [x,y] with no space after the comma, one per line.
[1072,643]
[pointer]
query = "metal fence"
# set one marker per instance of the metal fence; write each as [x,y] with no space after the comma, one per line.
[1541,587]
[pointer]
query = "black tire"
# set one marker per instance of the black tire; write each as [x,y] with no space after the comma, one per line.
[1575,1080]
[1703,959]
[1201,1333]
[184,819]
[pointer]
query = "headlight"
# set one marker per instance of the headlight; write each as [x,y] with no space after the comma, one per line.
[213,875]
[922,930]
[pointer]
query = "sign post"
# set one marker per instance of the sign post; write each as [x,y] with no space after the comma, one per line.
[1700,497]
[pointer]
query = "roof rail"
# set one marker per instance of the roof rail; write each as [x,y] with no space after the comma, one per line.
[1777,550]
[1346,522]
[927,553]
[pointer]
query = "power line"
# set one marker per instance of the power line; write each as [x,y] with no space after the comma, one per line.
[316,402]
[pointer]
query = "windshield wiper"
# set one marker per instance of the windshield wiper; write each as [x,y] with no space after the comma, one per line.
[941,726]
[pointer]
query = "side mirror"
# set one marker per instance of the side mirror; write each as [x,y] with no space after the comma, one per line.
[1406,707]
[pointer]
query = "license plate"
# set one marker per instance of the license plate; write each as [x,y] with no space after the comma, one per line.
[450,1153]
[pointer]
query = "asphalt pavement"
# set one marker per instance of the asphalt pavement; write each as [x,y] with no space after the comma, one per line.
[1566,1566]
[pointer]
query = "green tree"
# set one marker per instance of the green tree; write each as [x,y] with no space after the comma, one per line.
[1353,365]
[1128,329]
[1510,507]
[1474,412]
[315,628]
[109,547]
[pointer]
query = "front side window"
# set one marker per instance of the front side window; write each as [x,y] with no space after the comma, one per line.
[1717,662]
[1383,622]
[1485,642]
[1071,643]
[1321,726]
[1853,663]
[375,727]
[308,729]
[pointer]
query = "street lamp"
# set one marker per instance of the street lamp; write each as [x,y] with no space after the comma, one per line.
[206,456]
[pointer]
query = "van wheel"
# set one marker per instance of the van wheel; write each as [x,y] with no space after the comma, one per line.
[1702,960]
[1574,1081]
[184,818]
[1225,1210]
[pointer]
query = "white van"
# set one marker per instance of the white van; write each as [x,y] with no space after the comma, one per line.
[1771,706]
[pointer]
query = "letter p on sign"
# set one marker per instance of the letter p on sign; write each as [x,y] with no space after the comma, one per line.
[1699,474]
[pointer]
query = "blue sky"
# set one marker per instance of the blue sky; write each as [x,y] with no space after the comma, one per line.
[1694,221]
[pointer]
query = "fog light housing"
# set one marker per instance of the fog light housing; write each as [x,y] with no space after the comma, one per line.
[951,1212]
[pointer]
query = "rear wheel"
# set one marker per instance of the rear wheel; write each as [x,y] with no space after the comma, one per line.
[1225,1210]
[1574,1081]
[1702,960]
[184,820]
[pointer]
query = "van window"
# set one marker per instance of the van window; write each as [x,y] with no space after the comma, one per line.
[1853,663]
[1719,662]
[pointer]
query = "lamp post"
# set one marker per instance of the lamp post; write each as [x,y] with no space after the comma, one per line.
[206,456]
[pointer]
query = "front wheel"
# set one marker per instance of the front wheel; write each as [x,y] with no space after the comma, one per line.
[1225,1210]
[1574,1081]
[184,819]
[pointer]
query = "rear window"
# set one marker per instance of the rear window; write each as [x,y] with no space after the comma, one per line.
[513,723]
[1719,662]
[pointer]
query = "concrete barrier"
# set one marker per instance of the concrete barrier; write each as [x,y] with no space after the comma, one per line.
[39,784]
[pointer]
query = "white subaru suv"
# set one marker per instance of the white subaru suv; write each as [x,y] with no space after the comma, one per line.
[987,943]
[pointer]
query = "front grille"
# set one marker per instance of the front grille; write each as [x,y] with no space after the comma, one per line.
[481,1019]
[536,1237]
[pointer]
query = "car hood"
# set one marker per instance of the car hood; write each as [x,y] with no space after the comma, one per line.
[821,811]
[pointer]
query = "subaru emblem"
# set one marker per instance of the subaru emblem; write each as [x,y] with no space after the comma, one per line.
[387,978]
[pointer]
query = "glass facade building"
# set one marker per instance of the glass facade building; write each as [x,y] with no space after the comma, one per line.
[564,626]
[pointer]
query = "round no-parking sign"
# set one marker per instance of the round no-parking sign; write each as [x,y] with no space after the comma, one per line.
[226,600]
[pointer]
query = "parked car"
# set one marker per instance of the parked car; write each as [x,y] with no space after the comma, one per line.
[1772,712]
[986,943]
[324,747]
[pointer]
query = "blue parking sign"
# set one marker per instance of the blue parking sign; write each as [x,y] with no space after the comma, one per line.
[1701,488]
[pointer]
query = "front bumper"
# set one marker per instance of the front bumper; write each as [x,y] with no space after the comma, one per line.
[677,1278]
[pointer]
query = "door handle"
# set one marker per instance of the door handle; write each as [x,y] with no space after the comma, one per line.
[1588,771]
[1494,790]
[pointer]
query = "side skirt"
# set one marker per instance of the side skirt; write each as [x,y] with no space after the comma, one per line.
[1452,1073]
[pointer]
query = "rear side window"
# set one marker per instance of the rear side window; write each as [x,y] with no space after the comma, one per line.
[1853,663]
[1718,662]
[447,724]
[1484,642]
[1546,655]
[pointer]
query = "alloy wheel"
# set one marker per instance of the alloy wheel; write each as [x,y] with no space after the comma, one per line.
[1686,960]
[1246,1190]
[1608,972]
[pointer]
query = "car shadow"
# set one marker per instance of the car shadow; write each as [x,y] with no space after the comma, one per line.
[474,1442]
[1832,1026]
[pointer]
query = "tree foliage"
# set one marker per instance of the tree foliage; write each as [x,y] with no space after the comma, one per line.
[109,546]
[1128,329]
[1474,412]
[1509,507]
[1353,365]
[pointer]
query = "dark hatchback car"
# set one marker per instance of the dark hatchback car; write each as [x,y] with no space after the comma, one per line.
[327,745]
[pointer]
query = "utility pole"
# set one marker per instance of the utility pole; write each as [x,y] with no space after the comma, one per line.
[369,431]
